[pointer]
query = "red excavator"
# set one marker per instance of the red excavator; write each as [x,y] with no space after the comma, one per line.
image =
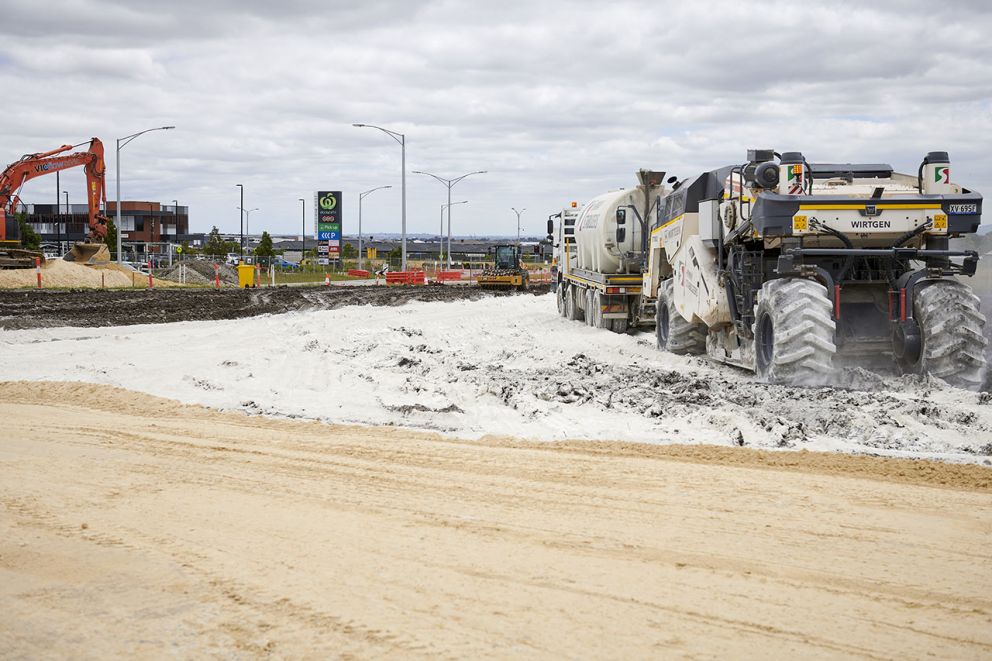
[93,250]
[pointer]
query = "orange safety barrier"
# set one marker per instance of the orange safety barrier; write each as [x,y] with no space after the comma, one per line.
[355,273]
[446,276]
[405,278]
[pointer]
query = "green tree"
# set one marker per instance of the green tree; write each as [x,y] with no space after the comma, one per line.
[264,247]
[348,251]
[111,239]
[29,238]
[214,245]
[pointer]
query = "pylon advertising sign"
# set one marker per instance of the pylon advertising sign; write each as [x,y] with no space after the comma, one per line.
[327,223]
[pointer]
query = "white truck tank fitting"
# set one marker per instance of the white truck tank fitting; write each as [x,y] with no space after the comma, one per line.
[596,243]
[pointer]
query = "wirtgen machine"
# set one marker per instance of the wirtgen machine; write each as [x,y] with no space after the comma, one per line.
[792,268]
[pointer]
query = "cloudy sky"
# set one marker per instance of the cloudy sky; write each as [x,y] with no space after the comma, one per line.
[558,100]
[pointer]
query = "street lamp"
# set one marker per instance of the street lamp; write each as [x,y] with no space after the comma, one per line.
[246,234]
[518,221]
[121,143]
[449,183]
[400,138]
[303,235]
[241,215]
[443,207]
[362,196]
[68,214]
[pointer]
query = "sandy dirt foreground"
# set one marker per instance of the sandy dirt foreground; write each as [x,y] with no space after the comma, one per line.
[131,525]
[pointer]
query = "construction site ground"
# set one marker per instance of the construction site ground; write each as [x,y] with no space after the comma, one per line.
[40,309]
[136,526]
[449,472]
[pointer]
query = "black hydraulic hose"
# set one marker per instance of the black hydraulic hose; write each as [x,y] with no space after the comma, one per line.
[849,260]
[919,177]
[912,234]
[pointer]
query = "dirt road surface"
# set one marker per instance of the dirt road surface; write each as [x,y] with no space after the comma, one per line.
[131,525]
[89,308]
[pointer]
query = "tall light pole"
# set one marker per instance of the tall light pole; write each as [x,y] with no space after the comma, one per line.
[241,215]
[448,207]
[121,143]
[247,213]
[400,138]
[518,221]
[362,196]
[303,235]
[449,183]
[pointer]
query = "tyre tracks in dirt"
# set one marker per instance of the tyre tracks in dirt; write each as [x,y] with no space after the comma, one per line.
[130,523]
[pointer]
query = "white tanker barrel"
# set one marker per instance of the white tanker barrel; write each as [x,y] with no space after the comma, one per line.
[597,248]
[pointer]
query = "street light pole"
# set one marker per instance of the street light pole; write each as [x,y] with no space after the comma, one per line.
[303,235]
[450,183]
[246,233]
[518,221]
[241,215]
[448,207]
[362,196]
[401,139]
[121,143]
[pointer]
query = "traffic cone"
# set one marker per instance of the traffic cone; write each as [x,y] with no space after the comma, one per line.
[327,279]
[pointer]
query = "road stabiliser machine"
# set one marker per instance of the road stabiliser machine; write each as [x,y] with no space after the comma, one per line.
[788,268]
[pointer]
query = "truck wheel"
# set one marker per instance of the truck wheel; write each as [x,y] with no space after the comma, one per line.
[794,332]
[572,311]
[619,326]
[597,312]
[560,299]
[673,332]
[951,328]
[590,308]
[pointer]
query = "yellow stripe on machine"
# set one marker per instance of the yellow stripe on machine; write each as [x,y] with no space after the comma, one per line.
[855,207]
[661,227]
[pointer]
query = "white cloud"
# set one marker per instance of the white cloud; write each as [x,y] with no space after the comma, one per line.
[558,100]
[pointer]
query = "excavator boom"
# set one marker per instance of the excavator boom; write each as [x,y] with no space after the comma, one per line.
[91,251]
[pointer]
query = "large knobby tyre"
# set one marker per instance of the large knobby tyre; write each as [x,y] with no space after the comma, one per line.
[794,332]
[560,299]
[953,347]
[572,311]
[673,332]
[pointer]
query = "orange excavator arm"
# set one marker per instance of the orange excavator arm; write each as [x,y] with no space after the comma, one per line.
[31,166]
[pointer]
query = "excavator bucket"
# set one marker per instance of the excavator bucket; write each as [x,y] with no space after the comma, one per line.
[91,254]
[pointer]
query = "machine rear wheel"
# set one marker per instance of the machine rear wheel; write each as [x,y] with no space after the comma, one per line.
[619,326]
[673,332]
[560,300]
[794,332]
[953,346]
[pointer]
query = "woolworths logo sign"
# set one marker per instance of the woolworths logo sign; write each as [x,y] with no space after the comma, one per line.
[328,201]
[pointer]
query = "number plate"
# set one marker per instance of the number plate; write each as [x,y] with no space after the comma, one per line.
[963,208]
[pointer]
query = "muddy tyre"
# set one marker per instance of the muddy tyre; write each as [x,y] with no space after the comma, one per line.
[618,326]
[560,299]
[794,332]
[572,311]
[590,308]
[951,324]
[673,333]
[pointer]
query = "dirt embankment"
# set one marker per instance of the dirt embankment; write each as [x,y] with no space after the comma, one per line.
[42,309]
[136,526]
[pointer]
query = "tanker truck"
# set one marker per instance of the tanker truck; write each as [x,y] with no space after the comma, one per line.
[599,251]
[793,269]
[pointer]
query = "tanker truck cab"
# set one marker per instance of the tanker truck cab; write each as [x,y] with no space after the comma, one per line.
[793,269]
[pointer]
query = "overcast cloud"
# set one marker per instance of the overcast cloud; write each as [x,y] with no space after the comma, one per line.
[558,100]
